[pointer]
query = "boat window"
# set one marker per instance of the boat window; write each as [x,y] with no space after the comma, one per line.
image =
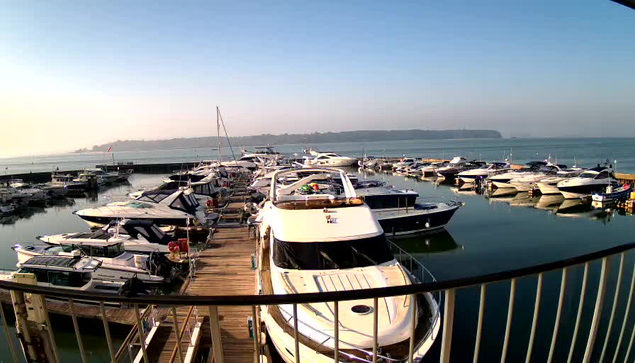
[115,250]
[185,203]
[389,201]
[69,279]
[323,157]
[153,198]
[331,255]
[40,275]
[602,175]
[588,175]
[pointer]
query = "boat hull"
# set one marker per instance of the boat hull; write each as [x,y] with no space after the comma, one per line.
[401,223]
[548,189]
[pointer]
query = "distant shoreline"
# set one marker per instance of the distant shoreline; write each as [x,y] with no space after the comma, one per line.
[285,139]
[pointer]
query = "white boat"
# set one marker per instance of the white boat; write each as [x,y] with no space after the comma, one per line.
[456,166]
[66,273]
[590,181]
[177,209]
[203,191]
[332,159]
[403,163]
[116,263]
[430,171]
[138,236]
[549,186]
[316,241]
[486,171]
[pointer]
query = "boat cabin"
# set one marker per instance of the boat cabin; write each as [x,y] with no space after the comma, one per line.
[60,271]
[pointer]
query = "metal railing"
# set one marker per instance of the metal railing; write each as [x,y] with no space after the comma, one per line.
[592,341]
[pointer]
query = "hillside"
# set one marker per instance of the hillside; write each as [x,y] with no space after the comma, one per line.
[310,139]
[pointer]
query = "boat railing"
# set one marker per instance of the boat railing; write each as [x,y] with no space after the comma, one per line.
[594,334]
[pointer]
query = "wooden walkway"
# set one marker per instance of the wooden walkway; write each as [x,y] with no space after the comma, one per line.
[224,268]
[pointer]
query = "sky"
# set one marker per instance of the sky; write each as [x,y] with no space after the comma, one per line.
[78,73]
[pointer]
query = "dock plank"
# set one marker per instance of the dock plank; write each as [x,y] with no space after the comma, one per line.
[224,269]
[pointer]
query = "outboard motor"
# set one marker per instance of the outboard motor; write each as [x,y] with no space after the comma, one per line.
[133,287]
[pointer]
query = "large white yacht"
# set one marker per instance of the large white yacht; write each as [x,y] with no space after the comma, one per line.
[332,159]
[589,182]
[174,209]
[549,186]
[315,238]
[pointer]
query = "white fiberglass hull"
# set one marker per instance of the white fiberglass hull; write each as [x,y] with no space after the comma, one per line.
[548,188]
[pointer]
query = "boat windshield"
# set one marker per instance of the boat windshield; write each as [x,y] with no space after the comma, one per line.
[588,174]
[138,205]
[331,255]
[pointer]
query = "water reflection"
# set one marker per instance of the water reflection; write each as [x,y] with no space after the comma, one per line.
[441,241]
[578,208]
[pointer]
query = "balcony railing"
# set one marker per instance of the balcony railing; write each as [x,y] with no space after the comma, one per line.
[592,344]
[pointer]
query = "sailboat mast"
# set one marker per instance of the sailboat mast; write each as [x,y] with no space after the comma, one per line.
[218,133]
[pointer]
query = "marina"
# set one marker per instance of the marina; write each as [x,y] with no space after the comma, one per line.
[229,253]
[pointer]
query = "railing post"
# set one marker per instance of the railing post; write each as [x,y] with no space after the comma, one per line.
[296,333]
[534,321]
[626,312]
[448,322]
[598,310]
[556,324]
[142,335]
[8,334]
[177,334]
[78,335]
[615,298]
[510,312]
[413,327]
[104,320]
[336,329]
[254,327]
[375,328]
[217,339]
[585,279]
[479,324]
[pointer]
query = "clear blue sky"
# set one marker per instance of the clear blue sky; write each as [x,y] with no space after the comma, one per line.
[77,73]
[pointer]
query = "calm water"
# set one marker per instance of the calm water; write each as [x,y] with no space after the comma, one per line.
[486,235]
[586,152]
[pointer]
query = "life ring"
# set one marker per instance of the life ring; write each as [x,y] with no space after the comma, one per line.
[209,203]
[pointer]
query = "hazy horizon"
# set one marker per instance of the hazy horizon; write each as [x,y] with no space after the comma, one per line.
[77,74]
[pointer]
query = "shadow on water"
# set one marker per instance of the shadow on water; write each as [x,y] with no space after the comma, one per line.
[441,241]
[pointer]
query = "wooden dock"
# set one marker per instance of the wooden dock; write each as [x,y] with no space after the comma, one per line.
[224,267]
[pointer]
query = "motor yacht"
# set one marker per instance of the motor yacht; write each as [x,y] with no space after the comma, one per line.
[203,191]
[399,214]
[67,273]
[470,176]
[164,209]
[116,263]
[315,237]
[332,159]
[430,171]
[137,236]
[590,181]
[455,166]
[549,186]
[402,163]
